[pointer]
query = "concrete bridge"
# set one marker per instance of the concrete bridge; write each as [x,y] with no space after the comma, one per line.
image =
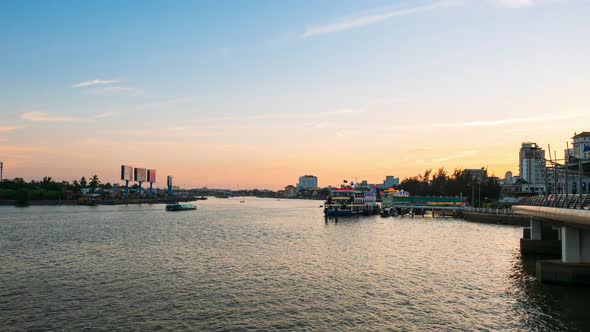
[560,227]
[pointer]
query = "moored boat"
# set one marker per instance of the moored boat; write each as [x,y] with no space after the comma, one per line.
[346,202]
[180,207]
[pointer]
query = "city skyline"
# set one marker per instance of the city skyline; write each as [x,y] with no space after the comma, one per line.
[255,95]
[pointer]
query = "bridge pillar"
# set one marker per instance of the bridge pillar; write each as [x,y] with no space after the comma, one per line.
[536,229]
[570,246]
[574,266]
[540,240]
[575,245]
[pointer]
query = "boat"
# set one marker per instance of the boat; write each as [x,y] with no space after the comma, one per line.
[180,207]
[346,202]
[241,201]
[202,198]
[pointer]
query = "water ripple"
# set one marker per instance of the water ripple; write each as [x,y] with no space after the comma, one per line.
[266,265]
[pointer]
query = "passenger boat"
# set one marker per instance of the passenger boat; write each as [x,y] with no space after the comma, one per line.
[346,202]
[180,207]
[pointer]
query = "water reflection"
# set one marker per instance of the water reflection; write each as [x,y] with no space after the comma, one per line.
[541,306]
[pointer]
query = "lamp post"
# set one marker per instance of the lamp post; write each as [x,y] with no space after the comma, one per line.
[1,169]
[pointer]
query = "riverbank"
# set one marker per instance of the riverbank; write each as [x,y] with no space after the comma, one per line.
[105,202]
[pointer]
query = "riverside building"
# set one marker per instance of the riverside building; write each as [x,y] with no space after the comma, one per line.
[531,166]
[307,182]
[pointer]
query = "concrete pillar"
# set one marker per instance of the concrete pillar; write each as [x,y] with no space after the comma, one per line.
[585,245]
[570,245]
[536,229]
[574,267]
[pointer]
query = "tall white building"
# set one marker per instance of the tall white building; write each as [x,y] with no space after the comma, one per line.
[531,166]
[307,182]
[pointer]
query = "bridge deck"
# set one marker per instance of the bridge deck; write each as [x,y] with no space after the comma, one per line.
[562,216]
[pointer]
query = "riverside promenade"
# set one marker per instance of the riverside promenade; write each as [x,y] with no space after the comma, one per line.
[494,216]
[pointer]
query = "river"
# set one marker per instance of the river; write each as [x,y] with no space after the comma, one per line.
[267,264]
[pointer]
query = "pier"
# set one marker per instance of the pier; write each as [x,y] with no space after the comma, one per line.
[421,205]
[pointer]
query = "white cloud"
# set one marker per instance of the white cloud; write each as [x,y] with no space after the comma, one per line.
[93,82]
[116,90]
[367,19]
[9,128]
[45,117]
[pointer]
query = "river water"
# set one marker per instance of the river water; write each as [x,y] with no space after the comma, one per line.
[267,265]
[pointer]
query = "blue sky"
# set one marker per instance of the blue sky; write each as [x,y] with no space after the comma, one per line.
[263,91]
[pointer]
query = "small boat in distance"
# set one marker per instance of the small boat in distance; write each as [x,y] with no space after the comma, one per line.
[202,198]
[180,207]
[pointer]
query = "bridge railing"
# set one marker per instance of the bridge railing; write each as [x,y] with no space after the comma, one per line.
[575,201]
[503,211]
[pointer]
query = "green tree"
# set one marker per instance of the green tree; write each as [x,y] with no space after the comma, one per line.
[83,182]
[76,186]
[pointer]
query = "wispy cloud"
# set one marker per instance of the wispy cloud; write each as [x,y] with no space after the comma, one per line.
[377,16]
[518,3]
[93,82]
[9,128]
[104,115]
[372,18]
[343,111]
[46,117]
[502,122]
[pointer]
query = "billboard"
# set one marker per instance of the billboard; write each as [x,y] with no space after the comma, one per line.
[169,180]
[140,175]
[151,175]
[126,173]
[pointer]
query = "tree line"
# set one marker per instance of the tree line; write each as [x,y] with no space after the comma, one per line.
[461,182]
[47,189]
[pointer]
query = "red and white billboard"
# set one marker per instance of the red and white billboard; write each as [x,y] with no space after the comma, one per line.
[140,175]
[151,175]
[126,173]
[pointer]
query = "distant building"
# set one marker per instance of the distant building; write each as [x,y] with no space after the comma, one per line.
[531,164]
[307,182]
[363,186]
[509,178]
[390,181]
[476,173]
[581,145]
[290,191]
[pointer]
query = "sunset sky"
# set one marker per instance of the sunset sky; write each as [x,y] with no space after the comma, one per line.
[253,94]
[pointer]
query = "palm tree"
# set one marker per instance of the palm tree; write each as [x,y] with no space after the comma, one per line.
[83,182]
[94,183]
